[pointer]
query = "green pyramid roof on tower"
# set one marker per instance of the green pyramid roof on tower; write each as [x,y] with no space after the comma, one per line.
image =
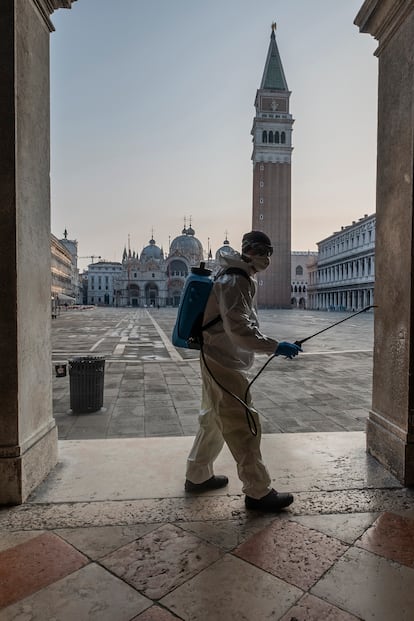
[273,75]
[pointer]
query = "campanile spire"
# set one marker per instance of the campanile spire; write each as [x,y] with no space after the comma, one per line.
[272,152]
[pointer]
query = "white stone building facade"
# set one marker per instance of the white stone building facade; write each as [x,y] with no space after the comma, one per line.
[102,283]
[300,278]
[343,277]
[66,288]
[72,246]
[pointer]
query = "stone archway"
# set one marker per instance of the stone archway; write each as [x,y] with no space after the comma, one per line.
[151,295]
[133,295]
[28,438]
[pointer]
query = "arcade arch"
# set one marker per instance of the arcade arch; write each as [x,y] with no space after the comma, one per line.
[28,438]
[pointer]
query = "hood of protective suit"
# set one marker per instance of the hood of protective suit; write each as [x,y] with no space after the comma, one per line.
[233,341]
[233,259]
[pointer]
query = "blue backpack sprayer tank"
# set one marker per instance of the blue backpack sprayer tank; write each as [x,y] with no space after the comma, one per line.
[189,322]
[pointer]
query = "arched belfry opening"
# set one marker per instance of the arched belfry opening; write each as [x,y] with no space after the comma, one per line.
[28,438]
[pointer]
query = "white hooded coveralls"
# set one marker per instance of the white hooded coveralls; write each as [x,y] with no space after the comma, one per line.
[229,348]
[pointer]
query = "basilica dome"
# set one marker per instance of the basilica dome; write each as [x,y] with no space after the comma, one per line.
[187,245]
[152,251]
[225,249]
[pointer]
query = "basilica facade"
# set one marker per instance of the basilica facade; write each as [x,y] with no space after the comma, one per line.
[151,278]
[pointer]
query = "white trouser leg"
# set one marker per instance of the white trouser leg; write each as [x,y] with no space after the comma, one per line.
[222,417]
[207,443]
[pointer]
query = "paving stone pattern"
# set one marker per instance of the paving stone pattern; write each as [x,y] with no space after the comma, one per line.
[240,569]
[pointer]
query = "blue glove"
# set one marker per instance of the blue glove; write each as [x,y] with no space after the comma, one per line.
[290,350]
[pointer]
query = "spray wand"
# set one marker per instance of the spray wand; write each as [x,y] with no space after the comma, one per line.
[249,415]
[299,343]
[250,420]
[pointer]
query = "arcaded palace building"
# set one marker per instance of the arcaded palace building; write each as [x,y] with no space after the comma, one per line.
[342,276]
[272,152]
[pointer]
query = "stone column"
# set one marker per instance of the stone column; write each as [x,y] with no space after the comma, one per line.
[28,438]
[390,430]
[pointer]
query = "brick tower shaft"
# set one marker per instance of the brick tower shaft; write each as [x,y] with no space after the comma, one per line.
[272,152]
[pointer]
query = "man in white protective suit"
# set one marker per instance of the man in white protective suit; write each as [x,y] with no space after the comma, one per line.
[227,353]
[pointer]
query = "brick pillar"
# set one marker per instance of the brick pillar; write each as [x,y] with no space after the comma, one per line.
[28,439]
[390,430]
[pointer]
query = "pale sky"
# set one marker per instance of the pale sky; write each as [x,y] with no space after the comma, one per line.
[152,104]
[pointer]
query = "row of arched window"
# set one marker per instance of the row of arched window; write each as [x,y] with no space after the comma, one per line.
[357,268]
[274,137]
[296,289]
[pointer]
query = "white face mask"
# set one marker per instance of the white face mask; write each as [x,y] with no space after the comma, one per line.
[259,263]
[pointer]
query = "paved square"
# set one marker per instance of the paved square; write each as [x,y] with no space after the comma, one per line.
[152,389]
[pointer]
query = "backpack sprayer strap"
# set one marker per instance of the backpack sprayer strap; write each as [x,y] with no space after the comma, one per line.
[211,323]
[238,271]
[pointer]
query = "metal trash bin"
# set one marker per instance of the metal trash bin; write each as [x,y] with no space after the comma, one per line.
[60,370]
[86,383]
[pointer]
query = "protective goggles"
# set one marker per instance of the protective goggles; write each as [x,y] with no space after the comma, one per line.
[262,250]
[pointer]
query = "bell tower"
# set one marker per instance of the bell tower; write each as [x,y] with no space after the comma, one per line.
[272,153]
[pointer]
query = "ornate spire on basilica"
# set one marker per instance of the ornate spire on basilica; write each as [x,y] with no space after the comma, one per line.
[184,231]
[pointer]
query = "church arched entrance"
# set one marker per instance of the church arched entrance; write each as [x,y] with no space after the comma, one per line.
[133,295]
[176,297]
[151,295]
[175,288]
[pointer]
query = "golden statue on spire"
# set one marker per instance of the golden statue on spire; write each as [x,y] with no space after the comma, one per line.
[274,26]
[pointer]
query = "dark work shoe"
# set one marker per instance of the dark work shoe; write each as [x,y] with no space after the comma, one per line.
[271,503]
[215,482]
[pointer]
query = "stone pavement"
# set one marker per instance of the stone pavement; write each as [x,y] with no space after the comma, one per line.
[152,389]
[111,535]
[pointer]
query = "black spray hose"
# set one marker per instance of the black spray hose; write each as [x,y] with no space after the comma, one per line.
[249,416]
